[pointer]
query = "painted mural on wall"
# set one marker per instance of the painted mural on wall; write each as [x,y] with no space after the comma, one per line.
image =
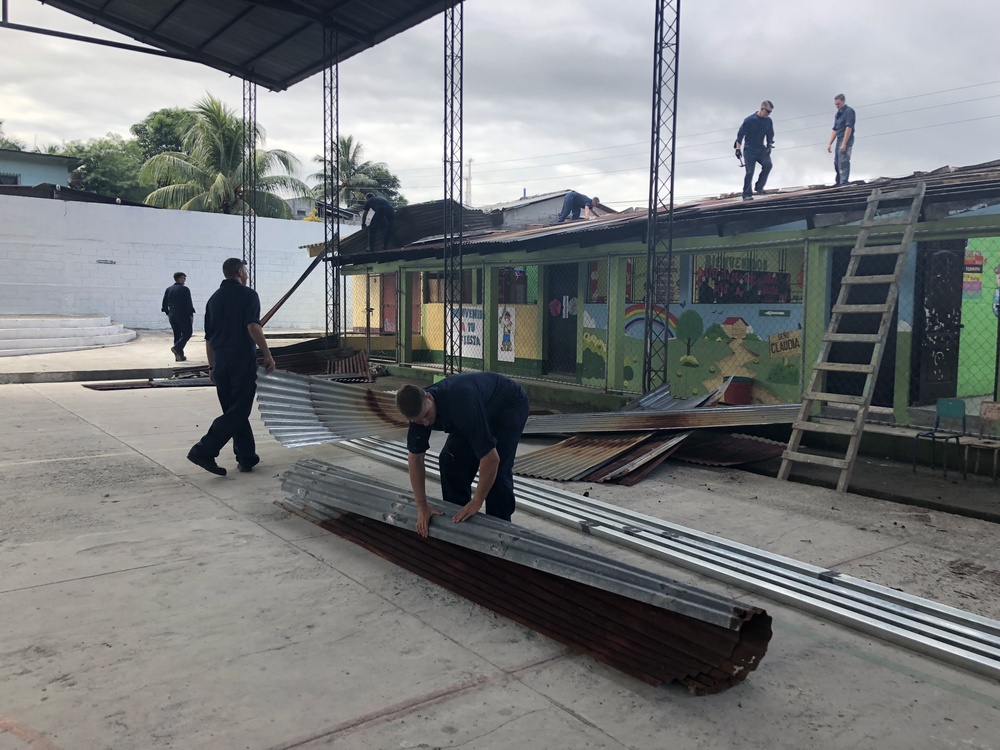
[506,329]
[980,308]
[737,314]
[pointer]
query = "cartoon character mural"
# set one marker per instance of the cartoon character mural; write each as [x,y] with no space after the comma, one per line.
[505,352]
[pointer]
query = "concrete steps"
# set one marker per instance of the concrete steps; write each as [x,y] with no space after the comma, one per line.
[43,334]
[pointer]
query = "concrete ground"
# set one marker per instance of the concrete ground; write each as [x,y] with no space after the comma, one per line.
[145,603]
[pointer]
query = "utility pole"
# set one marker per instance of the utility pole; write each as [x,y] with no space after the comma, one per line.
[468,184]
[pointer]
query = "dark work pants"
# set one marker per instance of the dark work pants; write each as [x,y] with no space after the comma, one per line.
[751,159]
[181,326]
[459,464]
[842,164]
[568,207]
[235,388]
[379,221]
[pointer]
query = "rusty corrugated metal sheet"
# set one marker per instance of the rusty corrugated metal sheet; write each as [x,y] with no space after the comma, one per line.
[650,627]
[639,421]
[716,449]
[660,447]
[576,456]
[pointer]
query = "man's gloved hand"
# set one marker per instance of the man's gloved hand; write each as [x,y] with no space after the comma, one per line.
[769,147]
[736,145]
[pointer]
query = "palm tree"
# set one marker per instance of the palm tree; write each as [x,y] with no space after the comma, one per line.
[208,174]
[355,174]
[10,144]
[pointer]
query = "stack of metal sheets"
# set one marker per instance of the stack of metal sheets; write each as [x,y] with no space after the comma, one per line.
[648,626]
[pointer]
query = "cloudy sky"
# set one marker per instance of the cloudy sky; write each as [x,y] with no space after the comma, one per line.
[557,93]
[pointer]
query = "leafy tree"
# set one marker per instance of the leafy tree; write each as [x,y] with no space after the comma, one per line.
[387,184]
[110,167]
[357,176]
[161,131]
[10,144]
[690,327]
[208,174]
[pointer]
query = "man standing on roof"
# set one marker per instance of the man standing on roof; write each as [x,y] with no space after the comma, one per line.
[179,309]
[232,328]
[573,203]
[382,213]
[484,414]
[843,134]
[755,130]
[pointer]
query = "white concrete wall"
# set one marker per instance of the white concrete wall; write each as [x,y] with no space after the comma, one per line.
[77,258]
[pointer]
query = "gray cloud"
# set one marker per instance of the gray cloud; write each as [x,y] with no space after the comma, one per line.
[557,94]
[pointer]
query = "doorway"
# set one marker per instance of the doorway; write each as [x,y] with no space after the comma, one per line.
[561,319]
[937,323]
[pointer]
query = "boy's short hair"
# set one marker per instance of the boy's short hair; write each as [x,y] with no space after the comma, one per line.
[840,98]
[410,401]
[231,268]
[180,275]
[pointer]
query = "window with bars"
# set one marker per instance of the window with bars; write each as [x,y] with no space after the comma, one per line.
[9,179]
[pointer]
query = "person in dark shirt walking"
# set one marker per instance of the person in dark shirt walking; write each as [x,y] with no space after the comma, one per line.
[575,202]
[484,414]
[382,213]
[843,134]
[232,328]
[755,130]
[179,309]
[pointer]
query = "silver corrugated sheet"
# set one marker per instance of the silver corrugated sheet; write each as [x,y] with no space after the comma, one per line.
[302,410]
[953,635]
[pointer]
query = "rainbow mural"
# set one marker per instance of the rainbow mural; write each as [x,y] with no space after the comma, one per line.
[635,321]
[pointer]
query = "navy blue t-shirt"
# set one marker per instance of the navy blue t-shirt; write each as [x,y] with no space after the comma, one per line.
[754,130]
[177,301]
[381,206]
[469,404]
[841,121]
[228,312]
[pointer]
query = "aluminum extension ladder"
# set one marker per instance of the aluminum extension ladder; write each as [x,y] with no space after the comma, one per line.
[820,389]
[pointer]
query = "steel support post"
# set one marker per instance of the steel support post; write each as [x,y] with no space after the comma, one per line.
[248,190]
[660,230]
[453,276]
[331,185]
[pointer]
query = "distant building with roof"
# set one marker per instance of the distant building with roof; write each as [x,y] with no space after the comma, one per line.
[31,168]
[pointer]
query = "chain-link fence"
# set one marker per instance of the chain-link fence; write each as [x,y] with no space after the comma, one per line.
[941,341]
[370,314]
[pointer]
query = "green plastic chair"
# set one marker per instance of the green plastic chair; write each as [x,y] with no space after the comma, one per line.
[952,409]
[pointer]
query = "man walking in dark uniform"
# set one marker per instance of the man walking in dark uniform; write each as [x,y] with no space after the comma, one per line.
[755,129]
[232,327]
[179,309]
[484,414]
[382,213]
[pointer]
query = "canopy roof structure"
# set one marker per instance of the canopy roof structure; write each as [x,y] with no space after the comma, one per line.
[274,43]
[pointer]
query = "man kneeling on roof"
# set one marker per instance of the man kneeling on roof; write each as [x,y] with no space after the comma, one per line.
[484,414]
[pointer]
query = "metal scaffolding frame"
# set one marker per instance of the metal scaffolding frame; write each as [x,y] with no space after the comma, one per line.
[453,276]
[331,184]
[248,189]
[659,239]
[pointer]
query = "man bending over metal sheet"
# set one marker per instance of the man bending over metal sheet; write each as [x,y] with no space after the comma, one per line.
[484,414]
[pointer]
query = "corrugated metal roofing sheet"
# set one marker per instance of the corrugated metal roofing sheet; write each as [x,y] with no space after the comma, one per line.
[576,456]
[275,44]
[646,625]
[713,416]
